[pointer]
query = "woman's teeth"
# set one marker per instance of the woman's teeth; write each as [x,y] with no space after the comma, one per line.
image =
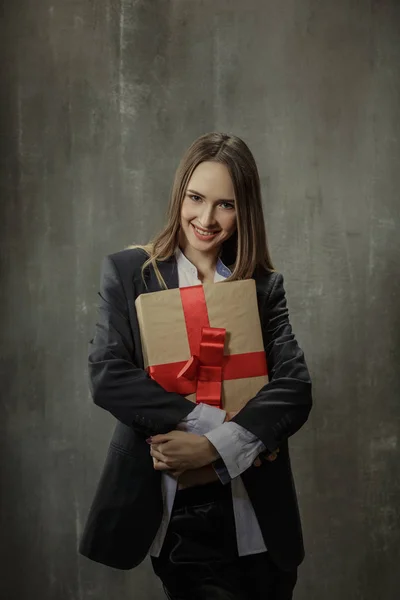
[205,234]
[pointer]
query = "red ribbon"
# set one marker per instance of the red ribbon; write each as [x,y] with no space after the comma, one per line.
[207,367]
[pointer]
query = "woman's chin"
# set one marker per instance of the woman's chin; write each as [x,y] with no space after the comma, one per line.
[200,246]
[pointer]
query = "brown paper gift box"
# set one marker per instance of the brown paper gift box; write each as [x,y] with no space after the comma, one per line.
[166,318]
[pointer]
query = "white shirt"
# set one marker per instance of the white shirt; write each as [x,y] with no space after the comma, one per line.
[237,447]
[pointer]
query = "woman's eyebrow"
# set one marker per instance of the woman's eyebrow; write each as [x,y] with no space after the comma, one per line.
[202,196]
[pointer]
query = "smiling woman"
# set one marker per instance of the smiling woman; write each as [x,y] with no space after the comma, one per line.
[208,218]
[208,496]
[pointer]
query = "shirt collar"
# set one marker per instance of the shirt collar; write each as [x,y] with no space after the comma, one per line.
[184,263]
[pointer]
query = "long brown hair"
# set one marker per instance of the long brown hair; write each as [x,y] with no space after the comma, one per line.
[247,250]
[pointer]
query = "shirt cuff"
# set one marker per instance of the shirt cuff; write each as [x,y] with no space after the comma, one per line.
[202,419]
[237,447]
[221,470]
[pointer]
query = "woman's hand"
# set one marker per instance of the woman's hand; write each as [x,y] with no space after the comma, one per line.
[179,451]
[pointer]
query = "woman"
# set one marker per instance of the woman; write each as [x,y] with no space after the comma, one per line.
[230,528]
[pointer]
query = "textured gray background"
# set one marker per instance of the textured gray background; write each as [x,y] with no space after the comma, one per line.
[98,101]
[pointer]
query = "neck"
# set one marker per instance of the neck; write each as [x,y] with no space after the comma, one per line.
[205,262]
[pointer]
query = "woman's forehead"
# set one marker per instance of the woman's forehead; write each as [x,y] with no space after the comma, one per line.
[212,178]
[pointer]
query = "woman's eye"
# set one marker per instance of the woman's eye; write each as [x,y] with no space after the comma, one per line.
[195,198]
[227,205]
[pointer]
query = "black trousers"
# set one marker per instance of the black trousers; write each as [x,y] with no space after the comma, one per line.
[199,558]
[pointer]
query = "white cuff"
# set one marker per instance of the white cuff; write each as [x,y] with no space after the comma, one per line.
[202,419]
[237,447]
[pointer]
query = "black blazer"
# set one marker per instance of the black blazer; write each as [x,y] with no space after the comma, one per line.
[127,508]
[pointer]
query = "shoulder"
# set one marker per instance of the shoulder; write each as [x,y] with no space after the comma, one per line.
[134,257]
[127,262]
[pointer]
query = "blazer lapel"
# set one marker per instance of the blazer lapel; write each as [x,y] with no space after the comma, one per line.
[169,271]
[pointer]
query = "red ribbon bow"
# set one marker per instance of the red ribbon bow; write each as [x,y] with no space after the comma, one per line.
[206,369]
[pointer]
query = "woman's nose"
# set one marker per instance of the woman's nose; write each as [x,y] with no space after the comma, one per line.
[207,216]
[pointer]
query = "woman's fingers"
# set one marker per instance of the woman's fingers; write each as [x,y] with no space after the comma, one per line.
[158,439]
[161,466]
[165,463]
[271,457]
[157,455]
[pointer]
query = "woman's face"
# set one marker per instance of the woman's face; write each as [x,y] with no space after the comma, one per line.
[208,214]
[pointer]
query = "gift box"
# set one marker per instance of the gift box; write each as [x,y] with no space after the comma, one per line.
[205,342]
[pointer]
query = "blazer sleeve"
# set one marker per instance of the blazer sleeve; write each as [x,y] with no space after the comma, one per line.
[282,406]
[116,383]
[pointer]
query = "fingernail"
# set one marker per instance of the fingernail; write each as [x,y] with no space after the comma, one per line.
[149,440]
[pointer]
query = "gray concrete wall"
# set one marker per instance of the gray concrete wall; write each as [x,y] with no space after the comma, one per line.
[98,101]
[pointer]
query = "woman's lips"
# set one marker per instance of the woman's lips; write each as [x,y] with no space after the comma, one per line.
[204,236]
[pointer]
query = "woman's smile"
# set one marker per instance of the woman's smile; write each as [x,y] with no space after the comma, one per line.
[204,234]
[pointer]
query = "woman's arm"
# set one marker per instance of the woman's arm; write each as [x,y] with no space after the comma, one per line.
[116,383]
[282,406]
